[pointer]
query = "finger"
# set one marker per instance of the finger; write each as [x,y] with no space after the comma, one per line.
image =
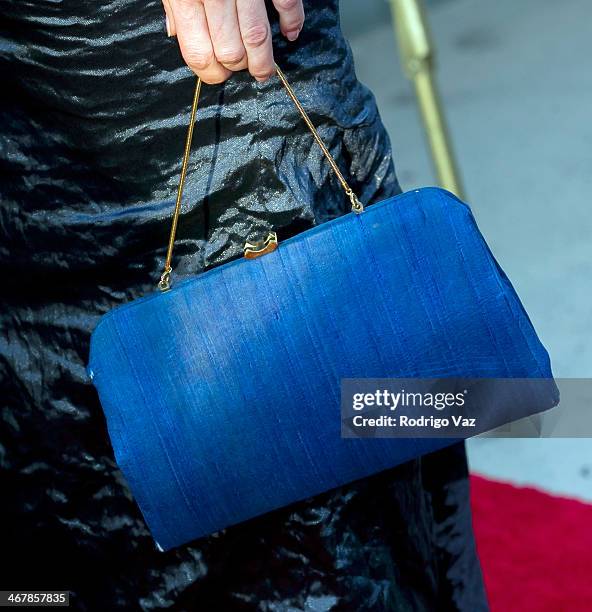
[194,40]
[256,35]
[225,33]
[291,14]
[169,18]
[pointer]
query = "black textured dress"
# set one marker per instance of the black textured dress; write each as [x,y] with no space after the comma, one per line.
[94,108]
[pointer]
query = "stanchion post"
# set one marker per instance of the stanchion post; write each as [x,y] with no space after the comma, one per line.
[417,55]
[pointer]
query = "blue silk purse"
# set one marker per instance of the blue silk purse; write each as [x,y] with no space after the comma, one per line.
[222,393]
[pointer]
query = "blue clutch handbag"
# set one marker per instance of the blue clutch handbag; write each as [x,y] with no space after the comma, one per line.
[222,393]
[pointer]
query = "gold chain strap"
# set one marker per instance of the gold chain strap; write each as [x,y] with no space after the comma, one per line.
[355,203]
[165,279]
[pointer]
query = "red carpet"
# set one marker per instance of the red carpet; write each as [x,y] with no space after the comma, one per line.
[535,549]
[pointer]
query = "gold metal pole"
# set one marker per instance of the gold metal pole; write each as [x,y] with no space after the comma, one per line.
[417,55]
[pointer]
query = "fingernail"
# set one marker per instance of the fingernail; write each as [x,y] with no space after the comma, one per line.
[168,25]
[292,34]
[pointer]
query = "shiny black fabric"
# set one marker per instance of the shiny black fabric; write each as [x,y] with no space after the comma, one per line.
[94,111]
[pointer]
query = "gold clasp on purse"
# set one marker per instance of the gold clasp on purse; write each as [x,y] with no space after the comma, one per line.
[262,247]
